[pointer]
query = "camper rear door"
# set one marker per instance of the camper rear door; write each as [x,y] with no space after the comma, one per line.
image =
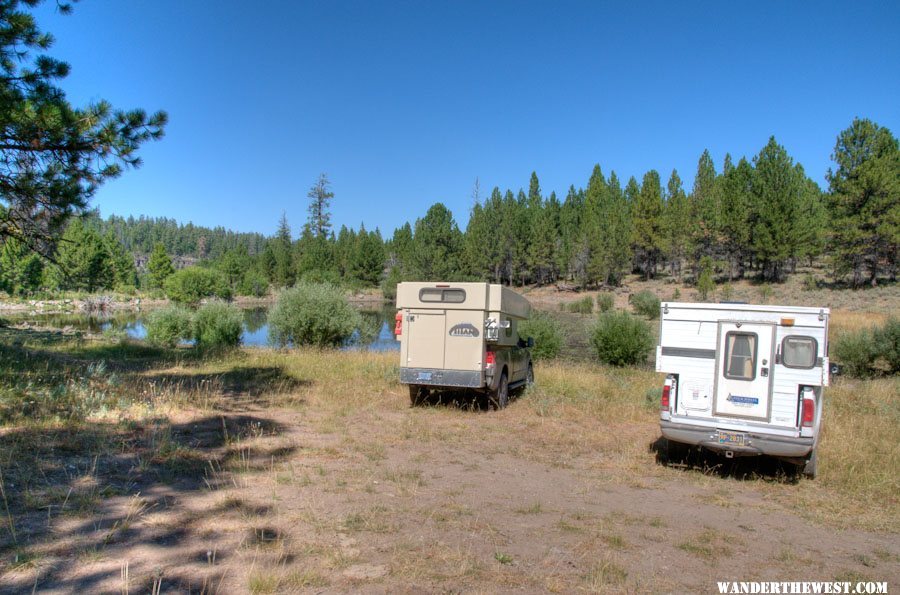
[744,370]
[425,332]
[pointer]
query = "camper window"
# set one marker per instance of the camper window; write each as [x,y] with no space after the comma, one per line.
[740,356]
[799,352]
[448,296]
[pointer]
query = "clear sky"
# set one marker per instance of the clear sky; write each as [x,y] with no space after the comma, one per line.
[404,104]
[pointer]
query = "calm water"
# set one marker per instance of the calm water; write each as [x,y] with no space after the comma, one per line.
[376,333]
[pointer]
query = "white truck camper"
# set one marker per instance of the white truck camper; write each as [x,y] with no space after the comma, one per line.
[744,379]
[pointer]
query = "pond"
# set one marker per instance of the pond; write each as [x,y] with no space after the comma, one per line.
[376,332]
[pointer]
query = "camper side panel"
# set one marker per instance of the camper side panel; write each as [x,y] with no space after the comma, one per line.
[688,348]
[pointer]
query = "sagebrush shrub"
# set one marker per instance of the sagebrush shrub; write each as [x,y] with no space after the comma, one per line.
[887,345]
[312,314]
[169,326]
[605,302]
[645,302]
[855,351]
[621,339]
[218,325]
[545,331]
[583,306]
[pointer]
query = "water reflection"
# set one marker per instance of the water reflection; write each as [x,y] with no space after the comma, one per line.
[375,332]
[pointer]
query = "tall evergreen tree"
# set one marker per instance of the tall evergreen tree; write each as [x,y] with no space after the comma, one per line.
[82,262]
[320,197]
[775,189]
[285,271]
[864,202]
[676,224]
[647,223]
[159,265]
[705,209]
[436,246]
[122,262]
[21,270]
[53,156]
[737,215]
[542,233]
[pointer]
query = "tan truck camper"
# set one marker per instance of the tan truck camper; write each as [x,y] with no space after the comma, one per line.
[462,335]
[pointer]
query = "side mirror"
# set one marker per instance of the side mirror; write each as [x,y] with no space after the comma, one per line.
[530,342]
[836,369]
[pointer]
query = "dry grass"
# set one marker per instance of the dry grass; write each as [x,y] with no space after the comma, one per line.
[359,474]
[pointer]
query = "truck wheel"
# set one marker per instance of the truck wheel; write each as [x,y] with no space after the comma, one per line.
[811,468]
[417,394]
[675,452]
[500,397]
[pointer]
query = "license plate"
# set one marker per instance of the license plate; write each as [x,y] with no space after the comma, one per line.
[424,376]
[732,438]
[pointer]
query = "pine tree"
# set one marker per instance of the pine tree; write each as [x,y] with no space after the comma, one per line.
[319,201]
[705,209]
[737,214]
[54,156]
[775,189]
[159,265]
[285,271]
[647,223]
[676,226]
[122,262]
[436,246]
[21,270]
[543,233]
[82,261]
[864,202]
[570,224]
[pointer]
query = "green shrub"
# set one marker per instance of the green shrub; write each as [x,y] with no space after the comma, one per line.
[312,314]
[621,339]
[645,302]
[218,325]
[765,293]
[545,331]
[856,353]
[254,284]
[810,283]
[887,345]
[605,302]
[192,284]
[583,306]
[169,326]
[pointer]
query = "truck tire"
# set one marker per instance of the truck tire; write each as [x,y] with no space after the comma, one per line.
[811,467]
[500,397]
[417,394]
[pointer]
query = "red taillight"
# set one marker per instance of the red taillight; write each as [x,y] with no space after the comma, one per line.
[809,413]
[489,359]
[398,324]
[664,402]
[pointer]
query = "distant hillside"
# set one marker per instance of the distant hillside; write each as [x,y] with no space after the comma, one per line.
[189,241]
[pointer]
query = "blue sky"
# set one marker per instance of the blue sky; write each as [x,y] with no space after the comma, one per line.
[404,104]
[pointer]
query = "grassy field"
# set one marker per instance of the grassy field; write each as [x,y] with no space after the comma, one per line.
[124,467]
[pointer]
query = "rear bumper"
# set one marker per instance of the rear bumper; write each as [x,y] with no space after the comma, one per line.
[757,444]
[440,377]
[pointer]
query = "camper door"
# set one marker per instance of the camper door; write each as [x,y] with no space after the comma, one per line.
[744,361]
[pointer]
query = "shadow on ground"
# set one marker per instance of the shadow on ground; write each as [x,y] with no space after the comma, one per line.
[74,492]
[752,468]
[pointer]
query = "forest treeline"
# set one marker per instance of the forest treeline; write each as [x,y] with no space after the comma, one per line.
[759,216]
